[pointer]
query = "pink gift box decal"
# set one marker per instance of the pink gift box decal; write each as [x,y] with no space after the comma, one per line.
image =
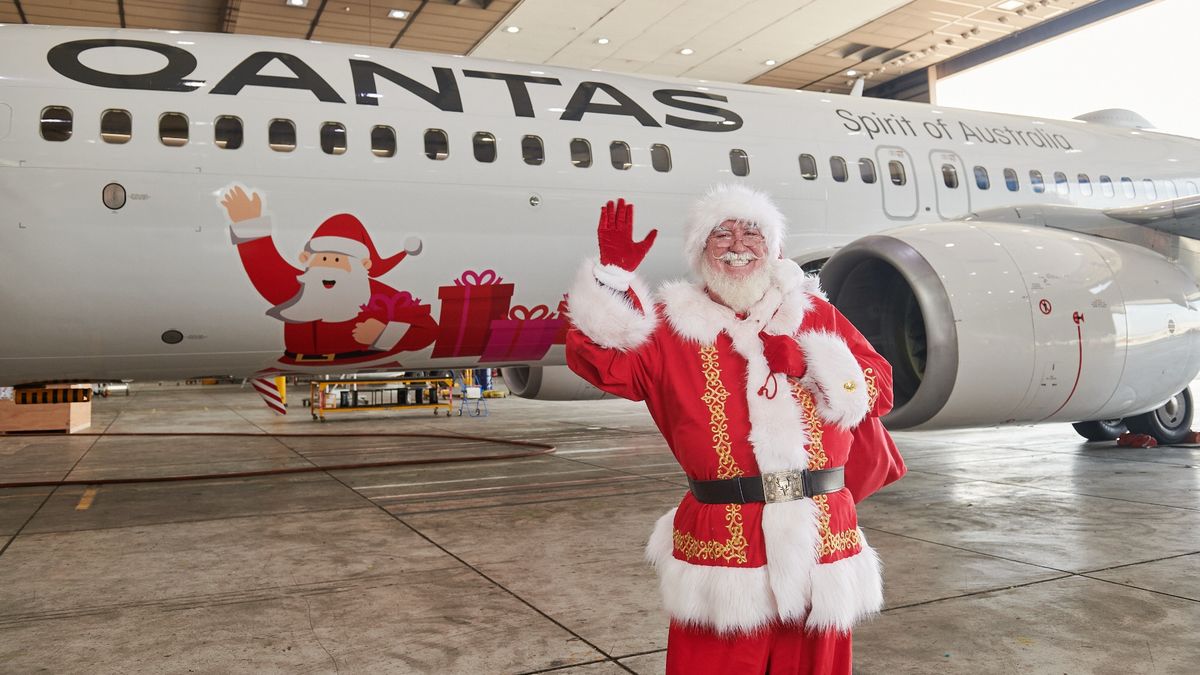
[560,338]
[525,336]
[469,308]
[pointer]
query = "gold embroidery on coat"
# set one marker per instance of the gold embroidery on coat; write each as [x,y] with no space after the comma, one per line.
[832,543]
[808,413]
[710,549]
[715,395]
[872,390]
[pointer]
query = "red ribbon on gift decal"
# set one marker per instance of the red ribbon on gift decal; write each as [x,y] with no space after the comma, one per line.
[484,278]
[523,313]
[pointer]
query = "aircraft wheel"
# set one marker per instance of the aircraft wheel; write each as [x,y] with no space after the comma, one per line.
[1170,424]
[1100,430]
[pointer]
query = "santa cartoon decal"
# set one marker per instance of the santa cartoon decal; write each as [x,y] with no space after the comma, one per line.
[335,311]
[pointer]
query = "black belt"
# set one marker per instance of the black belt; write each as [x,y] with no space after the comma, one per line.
[782,486]
[324,358]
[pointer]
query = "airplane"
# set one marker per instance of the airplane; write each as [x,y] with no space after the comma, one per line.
[174,204]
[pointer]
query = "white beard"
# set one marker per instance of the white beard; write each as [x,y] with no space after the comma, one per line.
[738,293]
[315,302]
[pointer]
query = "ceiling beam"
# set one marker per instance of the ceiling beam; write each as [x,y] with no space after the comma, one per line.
[228,17]
[21,11]
[411,19]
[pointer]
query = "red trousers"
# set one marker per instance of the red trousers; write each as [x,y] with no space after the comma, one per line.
[780,649]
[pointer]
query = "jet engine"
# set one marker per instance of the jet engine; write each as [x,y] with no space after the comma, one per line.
[549,383]
[992,323]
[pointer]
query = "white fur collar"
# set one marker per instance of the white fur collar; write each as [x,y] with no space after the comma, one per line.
[695,316]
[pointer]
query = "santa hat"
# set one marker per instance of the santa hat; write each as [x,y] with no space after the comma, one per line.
[344,233]
[732,201]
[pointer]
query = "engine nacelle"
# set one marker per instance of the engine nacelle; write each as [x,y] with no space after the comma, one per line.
[549,383]
[991,323]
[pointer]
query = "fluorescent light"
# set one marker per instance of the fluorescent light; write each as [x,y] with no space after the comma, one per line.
[1010,5]
[512,29]
[769,62]
[397,14]
[687,51]
[601,41]
[851,73]
[296,3]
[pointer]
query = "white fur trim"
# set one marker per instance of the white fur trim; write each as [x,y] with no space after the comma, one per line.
[847,591]
[732,201]
[391,334]
[616,278]
[608,318]
[834,377]
[337,245]
[791,533]
[725,599]
[250,229]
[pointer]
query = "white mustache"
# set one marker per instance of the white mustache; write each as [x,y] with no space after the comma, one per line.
[730,256]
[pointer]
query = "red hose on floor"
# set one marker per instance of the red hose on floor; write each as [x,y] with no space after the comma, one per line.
[543,449]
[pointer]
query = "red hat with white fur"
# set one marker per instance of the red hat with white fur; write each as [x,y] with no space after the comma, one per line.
[732,201]
[344,233]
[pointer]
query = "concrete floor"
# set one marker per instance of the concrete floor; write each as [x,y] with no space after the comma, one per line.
[1006,551]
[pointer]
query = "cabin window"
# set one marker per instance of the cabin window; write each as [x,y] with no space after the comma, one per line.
[57,123]
[950,176]
[739,162]
[484,145]
[281,135]
[1149,189]
[581,153]
[1106,186]
[1085,185]
[333,138]
[808,167]
[982,180]
[896,170]
[173,129]
[1060,183]
[660,157]
[437,144]
[532,150]
[227,132]
[383,141]
[620,156]
[837,169]
[116,126]
[1127,187]
[1189,188]
[1035,179]
[866,170]
[1011,180]
[1172,192]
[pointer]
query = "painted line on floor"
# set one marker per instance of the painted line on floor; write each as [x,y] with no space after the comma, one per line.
[85,502]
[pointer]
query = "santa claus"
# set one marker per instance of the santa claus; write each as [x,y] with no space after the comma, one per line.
[769,399]
[334,309]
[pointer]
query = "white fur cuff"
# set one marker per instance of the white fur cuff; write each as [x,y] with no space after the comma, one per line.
[835,378]
[391,334]
[616,278]
[606,316]
[248,230]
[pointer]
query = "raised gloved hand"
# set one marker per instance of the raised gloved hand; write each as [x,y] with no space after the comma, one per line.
[615,233]
[784,355]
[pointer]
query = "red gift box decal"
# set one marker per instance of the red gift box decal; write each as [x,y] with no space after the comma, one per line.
[468,309]
[525,336]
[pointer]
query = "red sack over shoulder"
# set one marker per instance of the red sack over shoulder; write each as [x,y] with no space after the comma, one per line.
[874,459]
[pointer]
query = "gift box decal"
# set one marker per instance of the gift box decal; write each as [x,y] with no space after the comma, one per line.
[526,335]
[468,309]
[560,338]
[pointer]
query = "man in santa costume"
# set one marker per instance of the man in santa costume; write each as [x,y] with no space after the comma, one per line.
[334,310]
[769,399]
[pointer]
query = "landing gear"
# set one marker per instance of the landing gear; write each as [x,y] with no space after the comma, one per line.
[1169,424]
[1101,430]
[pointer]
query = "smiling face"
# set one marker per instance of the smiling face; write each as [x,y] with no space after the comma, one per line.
[333,287]
[735,266]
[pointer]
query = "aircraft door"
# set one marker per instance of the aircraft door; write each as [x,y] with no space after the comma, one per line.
[898,182]
[950,177]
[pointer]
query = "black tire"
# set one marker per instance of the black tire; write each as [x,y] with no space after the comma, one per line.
[1170,424]
[1101,430]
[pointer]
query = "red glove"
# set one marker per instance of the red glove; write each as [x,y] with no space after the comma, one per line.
[617,246]
[784,355]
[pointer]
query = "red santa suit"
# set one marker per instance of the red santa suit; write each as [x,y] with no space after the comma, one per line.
[408,326]
[742,571]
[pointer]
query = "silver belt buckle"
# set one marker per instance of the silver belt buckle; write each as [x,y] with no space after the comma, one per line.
[783,486]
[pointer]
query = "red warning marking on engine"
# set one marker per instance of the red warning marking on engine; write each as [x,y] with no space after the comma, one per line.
[1077,317]
[1044,305]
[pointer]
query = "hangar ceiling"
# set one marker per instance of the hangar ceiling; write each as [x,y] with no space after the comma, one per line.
[800,44]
